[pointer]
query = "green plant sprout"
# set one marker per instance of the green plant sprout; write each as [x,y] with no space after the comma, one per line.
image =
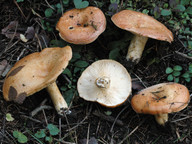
[174,74]
[79,4]
[48,133]
[21,138]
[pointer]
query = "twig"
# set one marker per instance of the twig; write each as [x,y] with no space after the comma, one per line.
[117,118]
[77,124]
[108,118]
[129,134]
[184,55]
[20,9]
[140,80]
[181,119]
[32,119]
[49,5]
[88,134]
[35,111]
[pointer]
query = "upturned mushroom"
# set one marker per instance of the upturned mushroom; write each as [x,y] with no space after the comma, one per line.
[143,27]
[35,72]
[160,100]
[106,82]
[81,26]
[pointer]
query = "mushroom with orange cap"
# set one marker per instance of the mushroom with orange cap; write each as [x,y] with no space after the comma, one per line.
[81,26]
[37,71]
[143,27]
[161,99]
[106,82]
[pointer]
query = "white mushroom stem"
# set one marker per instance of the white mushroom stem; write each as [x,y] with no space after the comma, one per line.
[57,98]
[102,82]
[136,48]
[161,118]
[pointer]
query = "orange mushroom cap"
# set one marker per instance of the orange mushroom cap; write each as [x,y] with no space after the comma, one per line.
[35,72]
[161,98]
[142,24]
[81,26]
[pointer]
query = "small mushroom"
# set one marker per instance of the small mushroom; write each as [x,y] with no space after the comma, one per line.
[37,71]
[106,82]
[81,26]
[161,99]
[143,27]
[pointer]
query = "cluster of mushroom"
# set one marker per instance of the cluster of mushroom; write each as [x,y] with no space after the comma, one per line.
[104,81]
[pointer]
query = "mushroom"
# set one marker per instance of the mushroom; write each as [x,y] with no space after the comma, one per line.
[161,99]
[143,27]
[106,82]
[35,72]
[81,26]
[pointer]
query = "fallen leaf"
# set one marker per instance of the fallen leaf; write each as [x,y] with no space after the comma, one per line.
[9,117]
[9,31]
[30,33]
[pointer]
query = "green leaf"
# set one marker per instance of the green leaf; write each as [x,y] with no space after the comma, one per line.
[76,69]
[186,75]
[63,88]
[21,138]
[188,79]
[40,134]
[176,73]
[79,4]
[81,64]
[190,44]
[53,130]
[176,79]
[18,1]
[177,68]
[166,12]
[75,56]
[180,8]
[170,77]
[57,43]
[114,1]
[190,68]
[168,70]
[58,5]
[114,54]
[68,95]
[189,10]
[49,139]
[67,72]
[65,2]
[9,117]
[185,2]
[48,12]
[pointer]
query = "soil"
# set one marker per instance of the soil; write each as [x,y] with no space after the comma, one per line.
[88,120]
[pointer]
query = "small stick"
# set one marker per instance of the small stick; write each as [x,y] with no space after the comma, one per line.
[129,134]
[32,119]
[38,109]
[20,9]
[117,118]
[88,134]
[184,55]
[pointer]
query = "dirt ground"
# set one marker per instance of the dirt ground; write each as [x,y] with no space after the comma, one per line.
[88,120]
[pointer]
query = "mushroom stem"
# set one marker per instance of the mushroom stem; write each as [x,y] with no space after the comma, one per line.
[161,118]
[57,98]
[136,48]
[102,82]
